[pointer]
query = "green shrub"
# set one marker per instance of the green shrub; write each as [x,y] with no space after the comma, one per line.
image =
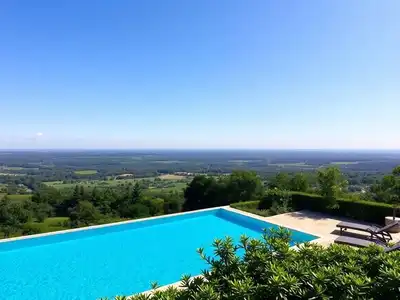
[252,207]
[270,269]
[259,212]
[246,205]
[362,210]
[33,228]
[273,197]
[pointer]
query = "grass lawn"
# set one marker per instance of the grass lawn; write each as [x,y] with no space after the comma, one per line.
[168,161]
[172,177]
[85,172]
[55,221]
[177,187]
[168,180]
[94,183]
[298,164]
[344,163]
[19,197]
[13,168]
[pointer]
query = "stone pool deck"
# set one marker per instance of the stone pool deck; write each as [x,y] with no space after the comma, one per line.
[314,223]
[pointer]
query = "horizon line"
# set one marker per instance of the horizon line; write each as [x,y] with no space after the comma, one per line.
[204,149]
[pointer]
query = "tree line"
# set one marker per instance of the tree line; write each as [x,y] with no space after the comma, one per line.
[83,206]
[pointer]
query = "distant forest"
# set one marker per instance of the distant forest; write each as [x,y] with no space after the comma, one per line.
[99,165]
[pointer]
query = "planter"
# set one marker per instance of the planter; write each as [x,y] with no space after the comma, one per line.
[389,220]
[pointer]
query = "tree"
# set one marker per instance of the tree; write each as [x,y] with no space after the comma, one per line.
[155,205]
[42,211]
[331,184]
[203,192]
[280,181]
[393,186]
[243,186]
[136,193]
[84,213]
[12,216]
[299,183]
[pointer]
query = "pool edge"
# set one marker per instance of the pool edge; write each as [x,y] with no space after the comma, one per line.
[93,227]
[263,219]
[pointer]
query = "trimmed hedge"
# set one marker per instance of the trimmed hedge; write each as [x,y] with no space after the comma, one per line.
[247,205]
[368,211]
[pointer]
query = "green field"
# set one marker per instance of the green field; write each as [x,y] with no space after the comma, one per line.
[19,197]
[85,172]
[299,164]
[55,221]
[178,186]
[344,163]
[168,161]
[168,183]
[13,168]
[93,183]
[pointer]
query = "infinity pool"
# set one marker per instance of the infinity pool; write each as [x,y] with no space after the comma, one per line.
[120,259]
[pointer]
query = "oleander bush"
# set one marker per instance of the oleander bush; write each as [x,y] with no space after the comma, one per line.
[268,268]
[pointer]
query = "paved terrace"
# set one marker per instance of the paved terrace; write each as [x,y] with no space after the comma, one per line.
[314,223]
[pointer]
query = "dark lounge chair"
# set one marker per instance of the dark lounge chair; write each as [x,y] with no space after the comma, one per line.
[379,232]
[365,243]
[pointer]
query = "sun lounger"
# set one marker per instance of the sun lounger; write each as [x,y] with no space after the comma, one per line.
[379,232]
[365,243]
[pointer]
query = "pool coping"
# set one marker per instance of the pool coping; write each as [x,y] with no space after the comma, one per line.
[264,219]
[175,284]
[34,236]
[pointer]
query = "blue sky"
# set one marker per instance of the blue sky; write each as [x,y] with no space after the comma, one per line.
[200,74]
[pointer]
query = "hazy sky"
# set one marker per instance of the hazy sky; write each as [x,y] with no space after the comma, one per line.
[200,74]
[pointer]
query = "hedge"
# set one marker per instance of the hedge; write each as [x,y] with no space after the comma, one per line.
[368,211]
[247,205]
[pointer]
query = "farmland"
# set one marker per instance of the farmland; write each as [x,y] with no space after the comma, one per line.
[85,172]
[22,172]
[19,197]
[166,182]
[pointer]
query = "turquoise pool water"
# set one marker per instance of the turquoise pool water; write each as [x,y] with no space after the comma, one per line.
[118,260]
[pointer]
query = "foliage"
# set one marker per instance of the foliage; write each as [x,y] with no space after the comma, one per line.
[259,212]
[203,192]
[388,189]
[281,205]
[369,211]
[247,205]
[243,186]
[280,181]
[274,202]
[267,268]
[208,191]
[84,213]
[331,184]
[12,216]
[299,183]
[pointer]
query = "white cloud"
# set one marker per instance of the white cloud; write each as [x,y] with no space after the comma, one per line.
[39,134]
